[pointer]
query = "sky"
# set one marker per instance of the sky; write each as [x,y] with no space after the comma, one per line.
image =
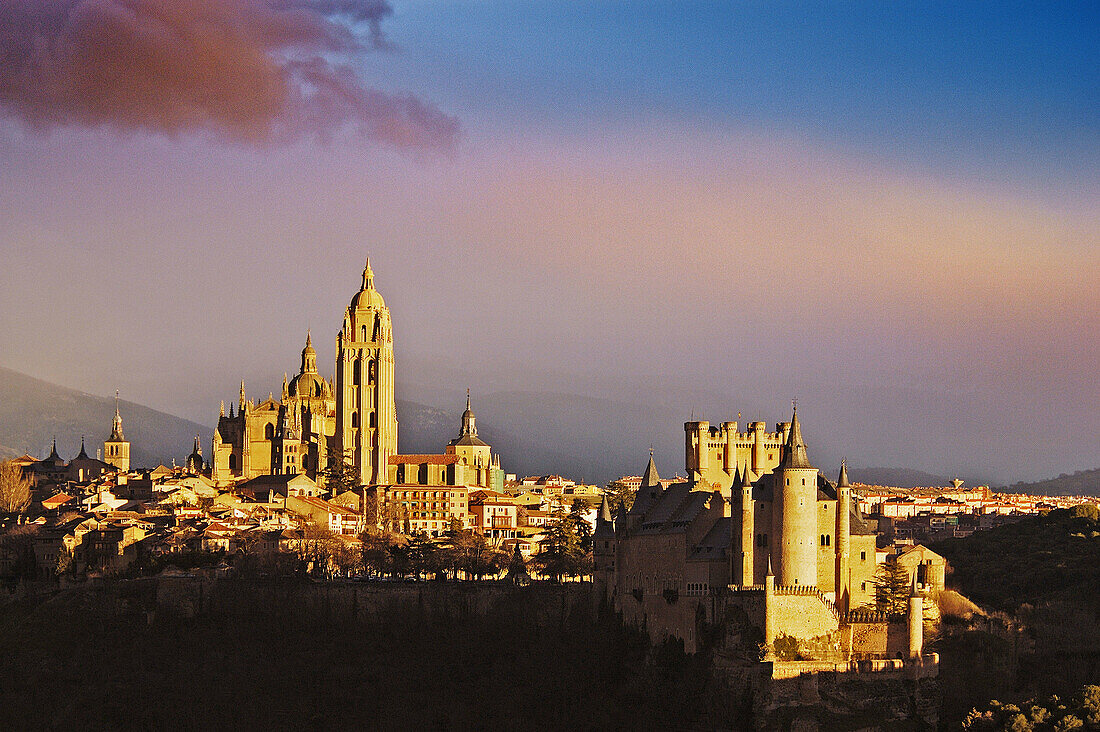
[889,211]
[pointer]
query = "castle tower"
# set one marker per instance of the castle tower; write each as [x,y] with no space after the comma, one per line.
[116,448]
[795,507]
[366,416]
[843,535]
[743,570]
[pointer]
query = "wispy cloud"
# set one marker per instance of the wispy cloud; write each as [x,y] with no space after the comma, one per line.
[252,71]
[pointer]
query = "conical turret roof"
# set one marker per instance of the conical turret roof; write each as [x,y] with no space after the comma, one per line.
[605,528]
[842,481]
[794,452]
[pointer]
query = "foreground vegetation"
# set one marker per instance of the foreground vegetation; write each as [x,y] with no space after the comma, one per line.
[1041,579]
[529,662]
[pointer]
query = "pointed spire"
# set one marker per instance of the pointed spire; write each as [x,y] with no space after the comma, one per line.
[746,481]
[223,409]
[83,453]
[116,423]
[794,452]
[198,448]
[368,277]
[309,340]
[842,481]
[770,572]
[605,528]
[241,402]
[736,475]
[469,423]
[650,478]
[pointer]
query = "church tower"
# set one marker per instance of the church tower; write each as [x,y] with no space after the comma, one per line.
[116,448]
[366,416]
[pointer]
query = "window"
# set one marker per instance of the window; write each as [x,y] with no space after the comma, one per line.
[355,420]
[357,371]
[232,462]
[373,420]
[269,431]
[863,556]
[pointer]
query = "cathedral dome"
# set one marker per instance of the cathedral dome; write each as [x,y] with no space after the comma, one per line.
[310,385]
[367,300]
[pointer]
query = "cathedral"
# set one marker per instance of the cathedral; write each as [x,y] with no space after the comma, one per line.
[353,414]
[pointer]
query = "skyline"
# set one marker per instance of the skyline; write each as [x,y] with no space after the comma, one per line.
[891,215]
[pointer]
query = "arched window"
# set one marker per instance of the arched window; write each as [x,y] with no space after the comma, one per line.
[362,332]
[355,420]
[269,431]
[232,462]
[373,420]
[357,371]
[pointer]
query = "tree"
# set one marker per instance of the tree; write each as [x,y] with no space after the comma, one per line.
[619,495]
[565,544]
[892,589]
[340,474]
[15,489]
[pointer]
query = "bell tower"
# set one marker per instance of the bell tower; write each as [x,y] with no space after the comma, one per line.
[116,448]
[366,415]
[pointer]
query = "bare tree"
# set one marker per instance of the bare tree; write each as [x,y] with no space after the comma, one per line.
[15,489]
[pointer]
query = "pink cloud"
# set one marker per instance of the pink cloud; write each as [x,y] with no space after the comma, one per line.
[246,70]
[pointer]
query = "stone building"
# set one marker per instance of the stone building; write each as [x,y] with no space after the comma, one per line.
[366,415]
[783,550]
[274,437]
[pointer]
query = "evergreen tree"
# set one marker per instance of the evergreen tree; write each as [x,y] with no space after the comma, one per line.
[340,474]
[892,589]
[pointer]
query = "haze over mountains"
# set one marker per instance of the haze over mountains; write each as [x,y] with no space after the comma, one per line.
[583,438]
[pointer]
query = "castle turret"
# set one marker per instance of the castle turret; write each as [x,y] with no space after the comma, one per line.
[769,611]
[743,559]
[915,618]
[843,538]
[795,508]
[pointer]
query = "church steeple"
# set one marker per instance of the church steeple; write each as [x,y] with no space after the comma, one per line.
[116,423]
[469,424]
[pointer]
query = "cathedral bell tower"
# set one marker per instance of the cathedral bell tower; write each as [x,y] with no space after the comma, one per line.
[366,416]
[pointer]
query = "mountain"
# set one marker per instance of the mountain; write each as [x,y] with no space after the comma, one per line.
[1081,483]
[534,433]
[537,433]
[34,412]
[897,477]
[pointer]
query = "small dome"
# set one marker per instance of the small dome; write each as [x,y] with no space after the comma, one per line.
[309,385]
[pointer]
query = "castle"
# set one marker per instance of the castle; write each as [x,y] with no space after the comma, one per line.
[757,538]
[352,417]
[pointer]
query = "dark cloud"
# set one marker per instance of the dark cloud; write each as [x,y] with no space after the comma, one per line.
[248,70]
